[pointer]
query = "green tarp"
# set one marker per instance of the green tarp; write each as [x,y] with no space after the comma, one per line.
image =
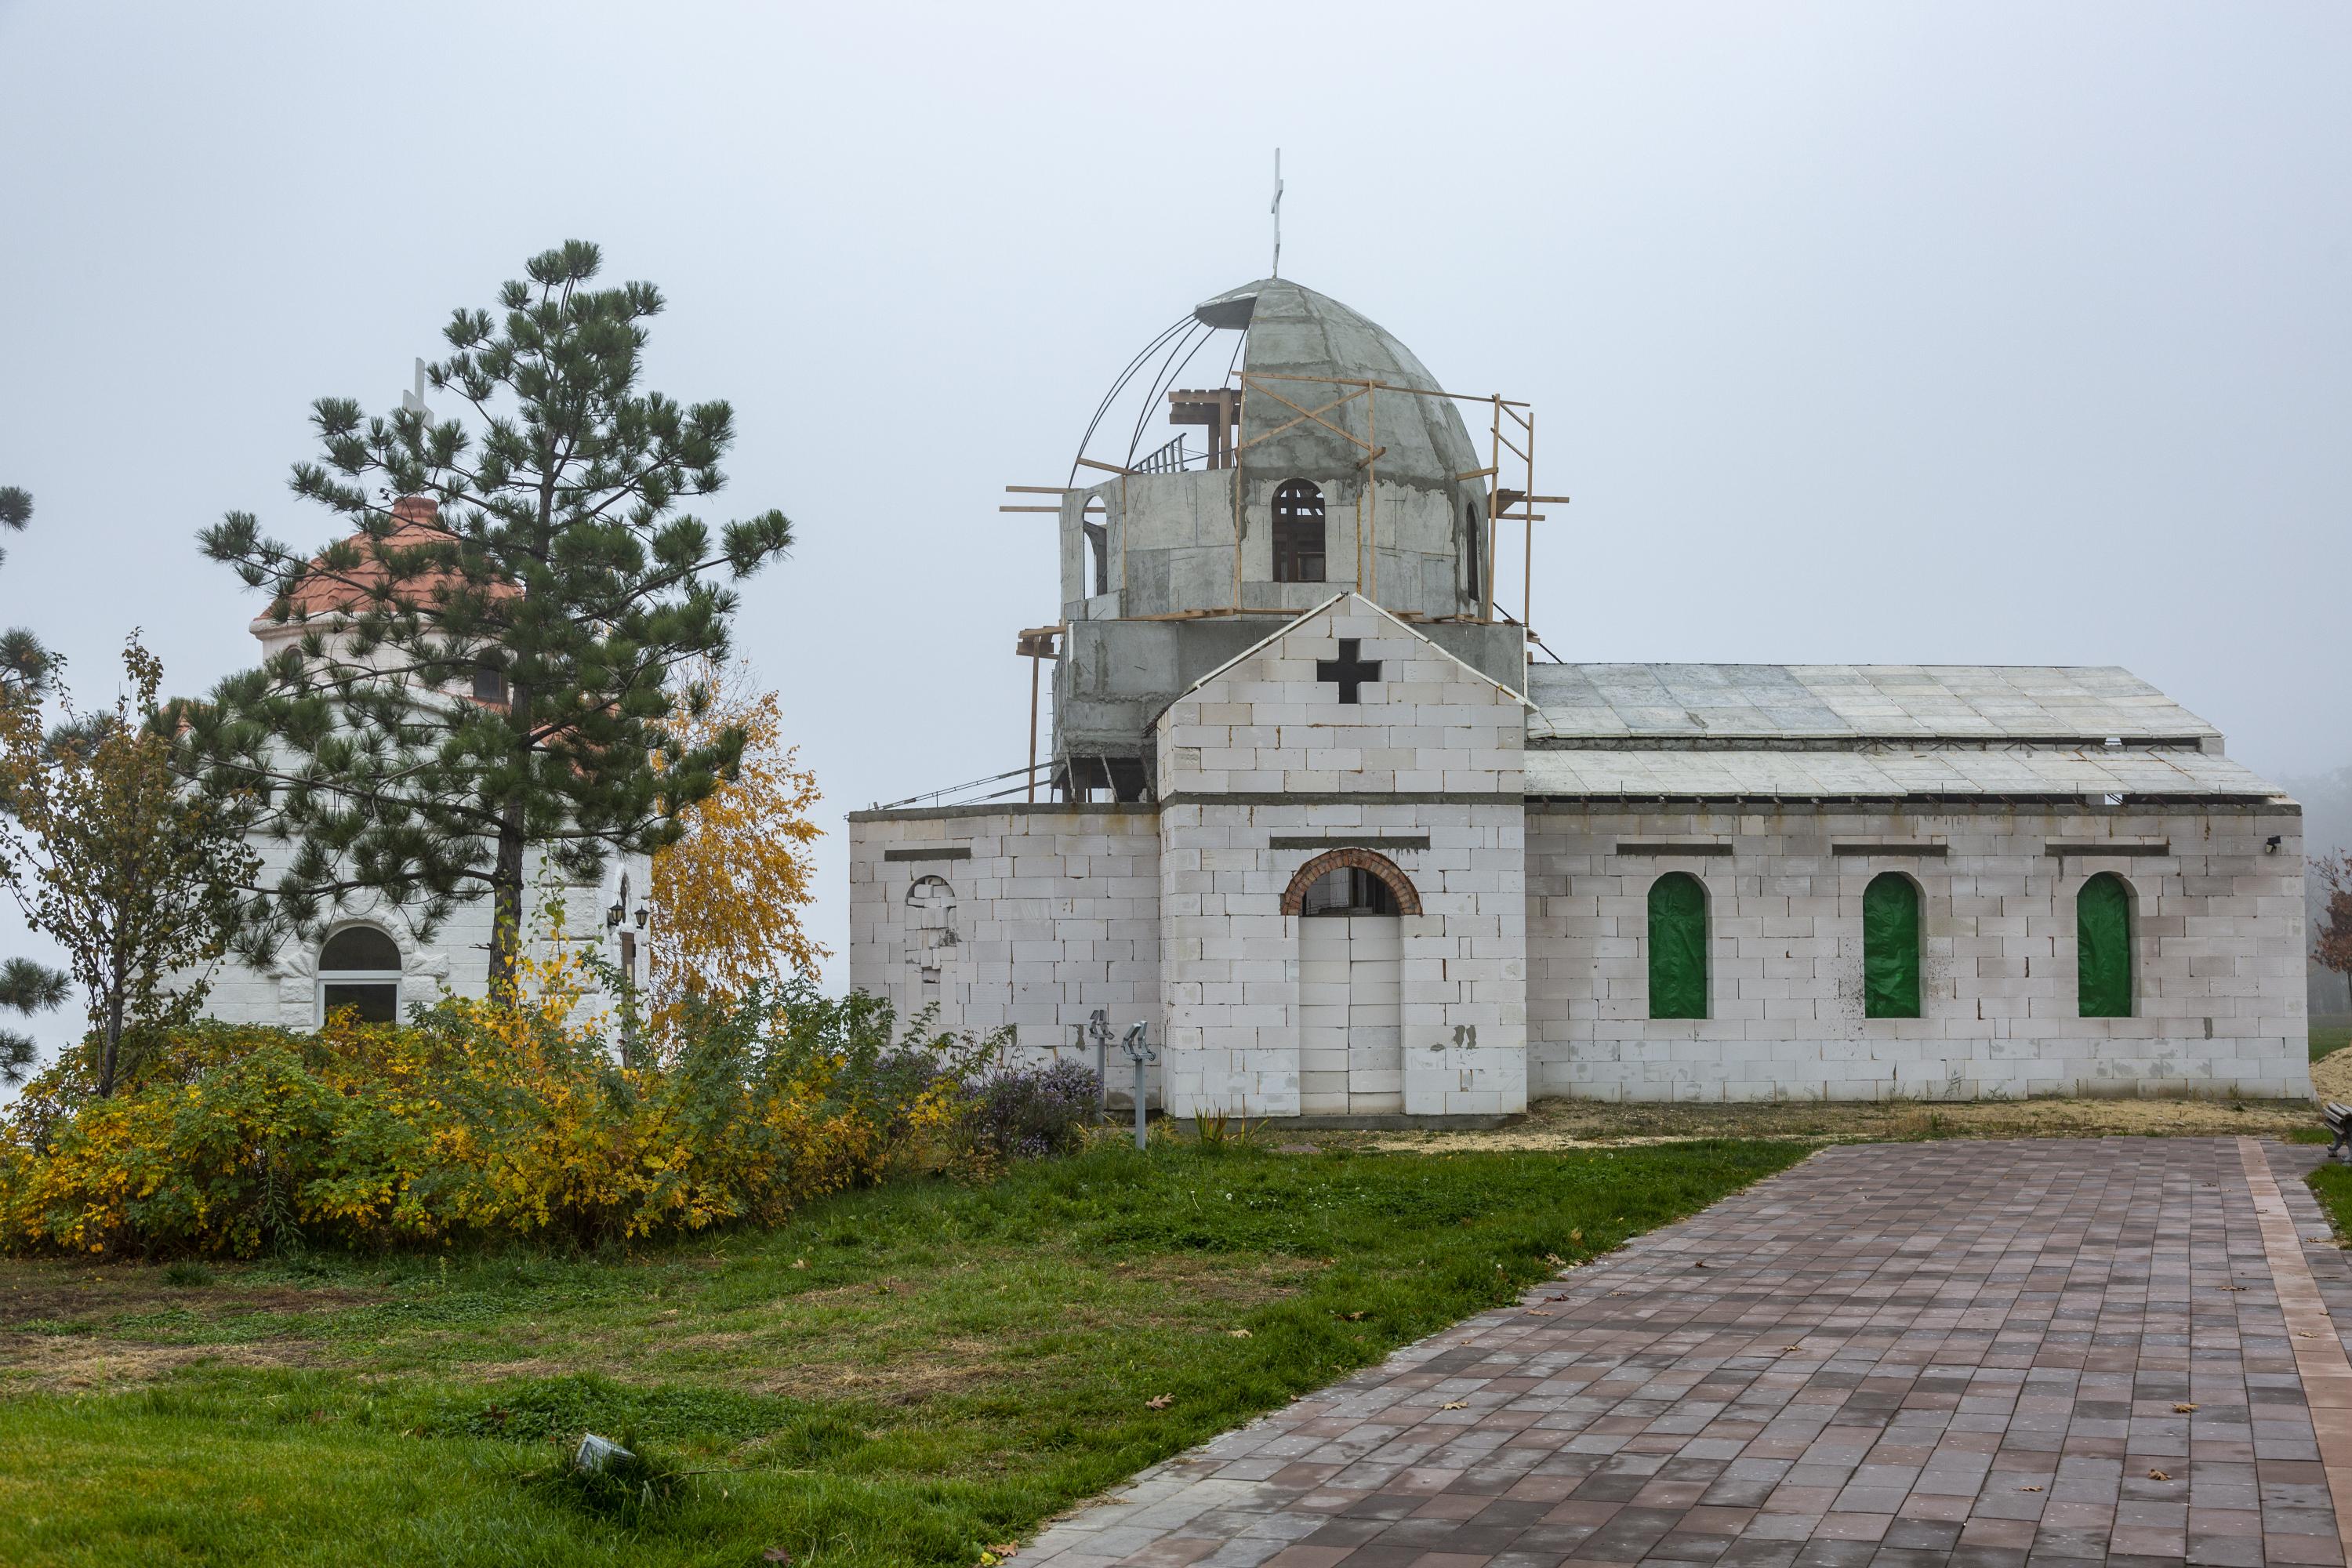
[1890,948]
[1677,947]
[2103,962]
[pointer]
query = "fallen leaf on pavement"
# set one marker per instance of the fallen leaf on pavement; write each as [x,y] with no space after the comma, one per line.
[2157,1476]
[2029,1489]
[1455,1404]
[2182,1409]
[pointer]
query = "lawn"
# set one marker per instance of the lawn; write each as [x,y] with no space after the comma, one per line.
[905,1376]
[2329,1033]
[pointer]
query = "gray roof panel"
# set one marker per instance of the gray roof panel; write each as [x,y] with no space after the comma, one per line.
[1883,773]
[1852,701]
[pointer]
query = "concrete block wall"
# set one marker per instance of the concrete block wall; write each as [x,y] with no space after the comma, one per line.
[1268,724]
[1265,751]
[1170,543]
[1055,914]
[1230,961]
[2218,933]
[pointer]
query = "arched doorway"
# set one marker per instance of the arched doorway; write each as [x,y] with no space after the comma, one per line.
[930,933]
[1350,904]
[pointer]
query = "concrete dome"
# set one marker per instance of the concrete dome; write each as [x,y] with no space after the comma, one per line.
[1294,331]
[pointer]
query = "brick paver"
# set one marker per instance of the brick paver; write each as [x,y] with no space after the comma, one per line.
[1979,1353]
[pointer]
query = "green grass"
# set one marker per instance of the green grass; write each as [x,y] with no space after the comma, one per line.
[901,1376]
[2329,1034]
[2332,1185]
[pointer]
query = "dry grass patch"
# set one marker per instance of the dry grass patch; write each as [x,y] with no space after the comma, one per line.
[2331,1076]
[39,1291]
[76,1363]
[1566,1124]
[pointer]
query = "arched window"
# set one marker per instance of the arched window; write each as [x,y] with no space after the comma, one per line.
[1297,532]
[1350,882]
[1096,523]
[1473,558]
[1890,947]
[2103,948]
[1677,947]
[359,968]
[1349,890]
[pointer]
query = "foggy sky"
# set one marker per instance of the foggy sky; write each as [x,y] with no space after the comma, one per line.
[1962,333]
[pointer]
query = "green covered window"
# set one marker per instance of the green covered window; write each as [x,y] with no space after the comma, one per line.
[1890,947]
[2102,947]
[1677,947]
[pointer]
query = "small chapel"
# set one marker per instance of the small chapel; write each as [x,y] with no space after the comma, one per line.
[373,957]
[1356,847]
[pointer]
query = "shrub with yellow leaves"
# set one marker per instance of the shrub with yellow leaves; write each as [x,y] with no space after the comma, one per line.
[487,1120]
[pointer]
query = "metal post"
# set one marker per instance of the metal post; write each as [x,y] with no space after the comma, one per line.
[1035,662]
[1528,564]
[1136,1043]
[1098,1026]
[1140,1139]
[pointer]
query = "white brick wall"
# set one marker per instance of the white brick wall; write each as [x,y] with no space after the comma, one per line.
[1230,958]
[455,961]
[1266,727]
[2217,930]
[1525,971]
[1055,914]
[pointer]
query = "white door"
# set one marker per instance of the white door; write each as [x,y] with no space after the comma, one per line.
[1350,1039]
[1323,1016]
[1375,1016]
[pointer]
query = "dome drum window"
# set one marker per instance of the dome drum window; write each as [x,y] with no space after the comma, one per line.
[1297,532]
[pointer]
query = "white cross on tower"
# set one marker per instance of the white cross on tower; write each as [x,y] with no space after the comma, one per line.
[415,401]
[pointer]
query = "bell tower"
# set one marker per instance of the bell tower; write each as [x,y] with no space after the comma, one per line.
[1331,459]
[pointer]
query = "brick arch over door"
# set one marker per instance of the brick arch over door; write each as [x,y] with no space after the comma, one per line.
[1294,897]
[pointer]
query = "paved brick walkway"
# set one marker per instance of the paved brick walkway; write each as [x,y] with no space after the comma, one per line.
[1990,1354]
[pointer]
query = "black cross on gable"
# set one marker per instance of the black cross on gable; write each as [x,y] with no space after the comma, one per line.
[1348,670]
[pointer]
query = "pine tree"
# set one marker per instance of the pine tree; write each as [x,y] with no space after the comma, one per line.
[482,667]
[25,664]
[26,668]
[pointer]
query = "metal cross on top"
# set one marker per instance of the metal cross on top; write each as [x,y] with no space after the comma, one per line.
[1276,210]
[1349,669]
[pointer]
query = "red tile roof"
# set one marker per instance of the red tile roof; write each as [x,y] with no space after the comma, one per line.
[416,521]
